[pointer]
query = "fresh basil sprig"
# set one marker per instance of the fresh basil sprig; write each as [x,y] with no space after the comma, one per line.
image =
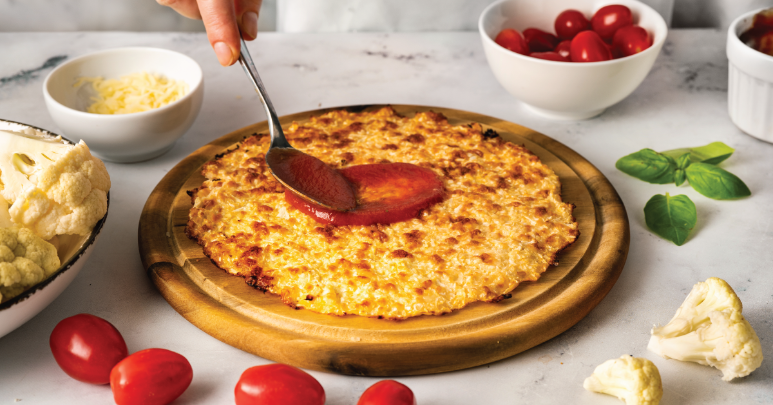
[648,165]
[713,153]
[673,217]
[704,177]
[716,183]
[670,217]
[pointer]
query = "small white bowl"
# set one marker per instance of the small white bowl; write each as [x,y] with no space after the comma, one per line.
[124,137]
[73,250]
[750,83]
[565,90]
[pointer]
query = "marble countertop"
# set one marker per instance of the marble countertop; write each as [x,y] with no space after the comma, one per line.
[683,102]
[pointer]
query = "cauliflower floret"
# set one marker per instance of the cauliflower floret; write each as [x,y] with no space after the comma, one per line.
[712,295]
[709,329]
[25,259]
[53,188]
[634,380]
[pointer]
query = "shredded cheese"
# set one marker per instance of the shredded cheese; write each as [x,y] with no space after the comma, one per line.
[132,93]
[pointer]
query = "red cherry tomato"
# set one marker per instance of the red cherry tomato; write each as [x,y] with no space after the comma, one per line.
[609,19]
[554,56]
[569,23]
[150,377]
[563,48]
[587,46]
[539,41]
[278,384]
[513,40]
[387,392]
[630,40]
[87,347]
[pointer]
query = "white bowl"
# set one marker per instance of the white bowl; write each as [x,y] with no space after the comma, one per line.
[564,90]
[750,83]
[73,251]
[124,137]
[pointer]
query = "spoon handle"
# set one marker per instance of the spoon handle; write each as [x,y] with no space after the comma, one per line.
[278,139]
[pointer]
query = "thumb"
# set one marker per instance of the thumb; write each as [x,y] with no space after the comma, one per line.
[219,18]
[247,12]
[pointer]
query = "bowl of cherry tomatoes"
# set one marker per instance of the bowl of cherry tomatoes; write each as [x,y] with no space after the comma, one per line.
[571,59]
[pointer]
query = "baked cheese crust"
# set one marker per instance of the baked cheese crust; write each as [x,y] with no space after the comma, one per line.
[501,222]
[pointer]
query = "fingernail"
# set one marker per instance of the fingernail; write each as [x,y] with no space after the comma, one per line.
[250,24]
[224,54]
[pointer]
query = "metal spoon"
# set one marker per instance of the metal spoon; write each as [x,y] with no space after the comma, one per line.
[303,174]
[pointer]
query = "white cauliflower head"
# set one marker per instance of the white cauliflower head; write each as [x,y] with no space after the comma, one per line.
[53,188]
[25,260]
[634,380]
[709,329]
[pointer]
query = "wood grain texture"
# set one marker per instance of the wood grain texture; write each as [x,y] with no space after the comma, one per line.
[227,308]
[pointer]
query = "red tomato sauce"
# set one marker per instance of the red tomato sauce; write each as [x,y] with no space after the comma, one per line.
[760,35]
[313,177]
[386,193]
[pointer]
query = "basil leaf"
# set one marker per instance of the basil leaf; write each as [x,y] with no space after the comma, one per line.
[683,161]
[679,177]
[712,153]
[681,164]
[649,166]
[671,218]
[716,183]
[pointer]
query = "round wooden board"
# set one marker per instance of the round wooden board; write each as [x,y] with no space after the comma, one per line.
[227,308]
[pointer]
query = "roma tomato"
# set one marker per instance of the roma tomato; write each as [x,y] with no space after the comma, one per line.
[278,384]
[630,40]
[387,392]
[87,347]
[564,48]
[539,41]
[587,46]
[608,19]
[513,40]
[150,377]
[569,23]
[554,56]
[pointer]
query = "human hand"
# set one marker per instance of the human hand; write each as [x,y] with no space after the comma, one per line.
[222,19]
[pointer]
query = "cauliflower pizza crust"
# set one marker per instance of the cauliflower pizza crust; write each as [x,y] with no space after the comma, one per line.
[500,223]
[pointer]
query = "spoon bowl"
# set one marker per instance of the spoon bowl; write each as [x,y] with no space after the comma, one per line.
[302,174]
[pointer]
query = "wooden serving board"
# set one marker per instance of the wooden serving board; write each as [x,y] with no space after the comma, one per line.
[227,308]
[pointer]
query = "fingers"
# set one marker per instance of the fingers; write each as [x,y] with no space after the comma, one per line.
[247,14]
[186,8]
[222,19]
[219,18]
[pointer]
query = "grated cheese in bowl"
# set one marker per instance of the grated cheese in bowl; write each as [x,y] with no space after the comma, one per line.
[132,93]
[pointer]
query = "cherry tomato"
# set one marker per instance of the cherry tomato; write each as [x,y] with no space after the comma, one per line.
[513,40]
[539,41]
[569,23]
[387,392]
[609,19]
[587,46]
[563,49]
[87,347]
[278,384]
[554,56]
[630,40]
[150,377]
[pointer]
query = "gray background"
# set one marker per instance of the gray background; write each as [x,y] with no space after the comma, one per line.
[147,15]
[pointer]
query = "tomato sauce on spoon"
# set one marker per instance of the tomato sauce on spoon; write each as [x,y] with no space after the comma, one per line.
[385,193]
[312,177]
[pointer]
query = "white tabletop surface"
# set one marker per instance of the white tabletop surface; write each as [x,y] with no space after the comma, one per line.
[683,102]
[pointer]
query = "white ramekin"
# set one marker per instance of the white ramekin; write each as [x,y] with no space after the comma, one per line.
[750,83]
